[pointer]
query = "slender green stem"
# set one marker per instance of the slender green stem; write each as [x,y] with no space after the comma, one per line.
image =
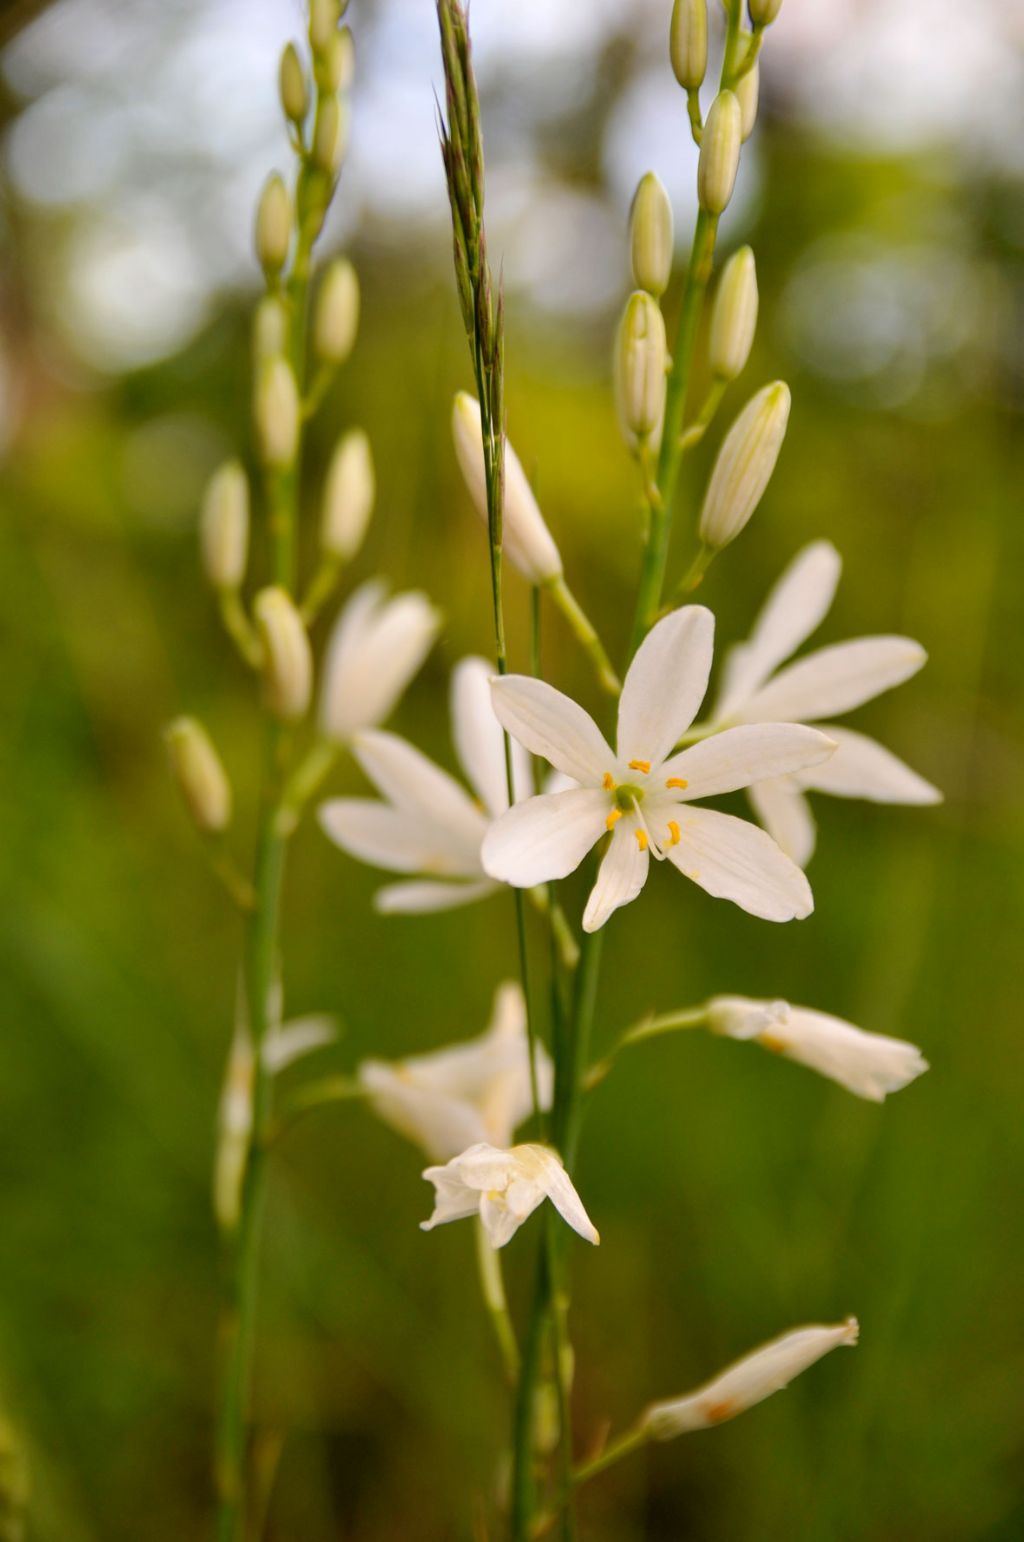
[648,1028]
[313,1095]
[492,1287]
[632,1440]
[585,633]
[523,1484]
[563,1365]
[238,626]
[321,586]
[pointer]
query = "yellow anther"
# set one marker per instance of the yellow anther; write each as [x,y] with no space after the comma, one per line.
[677,781]
[608,782]
[613,818]
[773,1042]
[673,830]
[640,765]
[641,839]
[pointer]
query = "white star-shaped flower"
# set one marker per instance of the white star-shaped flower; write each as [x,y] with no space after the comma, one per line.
[465,1094]
[504,1188]
[642,793]
[429,823]
[820,686]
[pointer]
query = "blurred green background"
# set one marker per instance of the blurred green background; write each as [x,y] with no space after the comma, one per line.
[736,1195]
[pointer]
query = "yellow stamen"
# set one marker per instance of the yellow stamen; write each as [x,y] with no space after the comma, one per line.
[677,781]
[640,765]
[641,839]
[773,1042]
[608,782]
[673,830]
[613,818]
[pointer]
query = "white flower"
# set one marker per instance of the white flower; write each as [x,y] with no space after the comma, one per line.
[375,649]
[467,1093]
[643,793]
[287,1042]
[525,538]
[504,1188]
[749,1381]
[868,1064]
[829,682]
[429,823]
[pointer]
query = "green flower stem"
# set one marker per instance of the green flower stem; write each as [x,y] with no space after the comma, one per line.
[694,574]
[694,432]
[313,1095]
[585,633]
[562,933]
[306,779]
[282,498]
[693,112]
[238,626]
[321,586]
[492,1286]
[648,1028]
[633,1440]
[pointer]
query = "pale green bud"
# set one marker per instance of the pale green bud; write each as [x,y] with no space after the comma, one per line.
[747,89]
[337,64]
[287,657]
[734,315]
[324,16]
[688,42]
[273,226]
[640,357]
[270,328]
[348,496]
[763,12]
[650,236]
[199,773]
[744,465]
[292,85]
[526,539]
[337,312]
[224,526]
[278,413]
[330,137]
[719,153]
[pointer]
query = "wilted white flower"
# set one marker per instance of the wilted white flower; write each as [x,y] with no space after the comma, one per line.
[526,539]
[829,682]
[749,1381]
[504,1188]
[376,647]
[429,824]
[643,792]
[868,1064]
[464,1094]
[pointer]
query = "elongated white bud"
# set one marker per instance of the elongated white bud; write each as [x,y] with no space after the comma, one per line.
[269,329]
[278,413]
[224,526]
[330,138]
[287,658]
[640,354]
[734,315]
[747,91]
[273,226]
[688,42]
[199,773]
[650,236]
[292,85]
[749,1381]
[348,496]
[526,539]
[763,12]
[337,312]
[744,465]
[719,153]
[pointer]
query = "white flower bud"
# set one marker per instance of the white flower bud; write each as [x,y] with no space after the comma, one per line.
[719,153]
[337,312]
[292,85]
[234,1131]
[330,137]
[688,42]
[224,526]
[744,465]
[747,89]
[324,16]
[526,539]
[270,328]
[337,65]
[763,12]
[277,413]
[199,773]
[287,657]
[640,354]
[273,225]
[749,1381]
[734,315]
[348,496]
[650,236]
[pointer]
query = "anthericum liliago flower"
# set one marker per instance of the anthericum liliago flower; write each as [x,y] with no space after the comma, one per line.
[504,1188]
[377,645]
[429,824]
[464,1094]
[642,793]
[821,685]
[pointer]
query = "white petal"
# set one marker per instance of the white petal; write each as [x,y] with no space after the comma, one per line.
[545,1167]
[794,609]
[415,785]
[454,1199]
[389,838]
[289,1041]
[862,768]
[441,1124]
[785,813]
[621,876]
[835,680]
[743,1017]
[480,740]
[867,1064]
[502,1215]
[551,724]
[546,837]
[738,756]
[665,684]
[372,657]
[749,1381]
[421,897]
[735,860]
